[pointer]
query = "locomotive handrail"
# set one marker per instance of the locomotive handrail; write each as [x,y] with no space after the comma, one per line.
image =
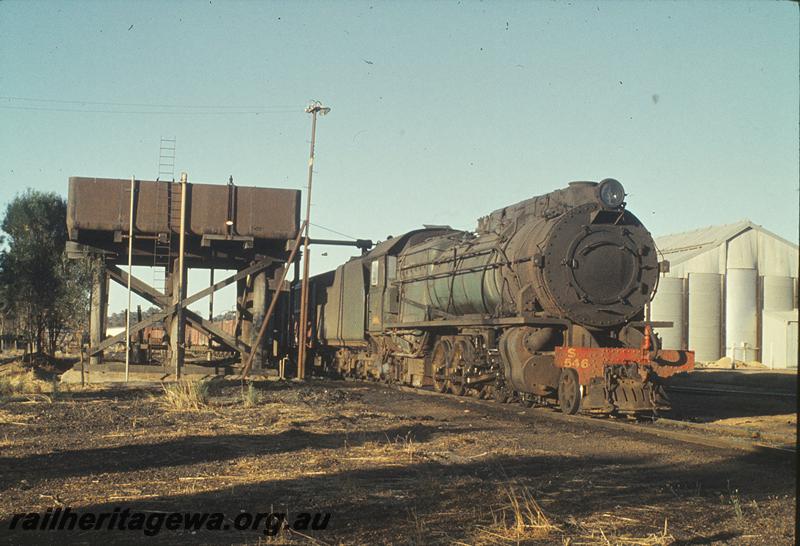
[493,265]
[469,320]
[447,259]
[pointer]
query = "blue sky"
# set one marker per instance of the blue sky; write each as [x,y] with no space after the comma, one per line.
[441,112]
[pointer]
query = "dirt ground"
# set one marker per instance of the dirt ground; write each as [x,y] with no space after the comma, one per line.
[391,467]
[751,401]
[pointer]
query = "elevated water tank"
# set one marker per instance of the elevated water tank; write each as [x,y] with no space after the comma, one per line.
[667,306]
[741,314]
[778,293]
[705,310]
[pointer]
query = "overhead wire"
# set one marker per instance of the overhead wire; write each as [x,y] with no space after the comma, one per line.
[149,105]
[334,231]
[146,112]
[50,105]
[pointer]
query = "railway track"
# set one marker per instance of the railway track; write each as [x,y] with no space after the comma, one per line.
[681,431]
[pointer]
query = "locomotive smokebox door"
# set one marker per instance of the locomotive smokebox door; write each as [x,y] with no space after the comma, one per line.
[597,274]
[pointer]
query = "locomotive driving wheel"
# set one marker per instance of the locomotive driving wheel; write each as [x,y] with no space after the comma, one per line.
[440,359]
[569,392]
[459,363]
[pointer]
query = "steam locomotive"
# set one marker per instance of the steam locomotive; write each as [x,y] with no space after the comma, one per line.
[544,304]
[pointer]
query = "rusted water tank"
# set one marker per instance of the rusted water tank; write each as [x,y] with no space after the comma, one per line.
[103,204]
[227,226]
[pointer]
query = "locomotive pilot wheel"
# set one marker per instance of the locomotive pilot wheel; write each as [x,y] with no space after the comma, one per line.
[569,392]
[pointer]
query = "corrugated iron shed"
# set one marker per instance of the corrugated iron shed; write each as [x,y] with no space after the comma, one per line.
[729,279]
[714,249]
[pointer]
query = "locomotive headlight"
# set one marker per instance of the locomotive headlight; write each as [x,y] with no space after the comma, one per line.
[611,193]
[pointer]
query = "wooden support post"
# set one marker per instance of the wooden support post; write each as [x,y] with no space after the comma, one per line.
[168,319]
[83,371]
[210,353]
[258,310]
[105,301]
[138,356]
[178,327]
[97,315]
[240,292]
[245,313]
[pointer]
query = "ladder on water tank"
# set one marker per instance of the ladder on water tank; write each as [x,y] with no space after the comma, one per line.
[162,247]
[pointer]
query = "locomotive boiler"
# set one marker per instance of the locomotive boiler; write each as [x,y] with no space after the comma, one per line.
[543,303]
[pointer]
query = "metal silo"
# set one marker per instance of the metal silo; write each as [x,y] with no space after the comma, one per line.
[705,309]
[667,306]
[778,293]
[741,314]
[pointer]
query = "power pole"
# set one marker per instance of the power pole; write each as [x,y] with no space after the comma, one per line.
[130,276]
[314,109]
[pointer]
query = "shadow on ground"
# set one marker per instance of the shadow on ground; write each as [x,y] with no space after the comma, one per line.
[190,450]
[423,501]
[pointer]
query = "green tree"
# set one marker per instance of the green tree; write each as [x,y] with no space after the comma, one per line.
[41,290]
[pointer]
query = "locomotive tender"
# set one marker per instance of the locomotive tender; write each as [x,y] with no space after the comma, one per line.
[543,303]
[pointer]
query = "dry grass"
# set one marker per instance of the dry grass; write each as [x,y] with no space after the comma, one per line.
[250,396]
[9,418]
[419,533]
[522,521]
[6,388]
[519,521]
[185,395]
[17,380]
[406,445]
[599,537]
